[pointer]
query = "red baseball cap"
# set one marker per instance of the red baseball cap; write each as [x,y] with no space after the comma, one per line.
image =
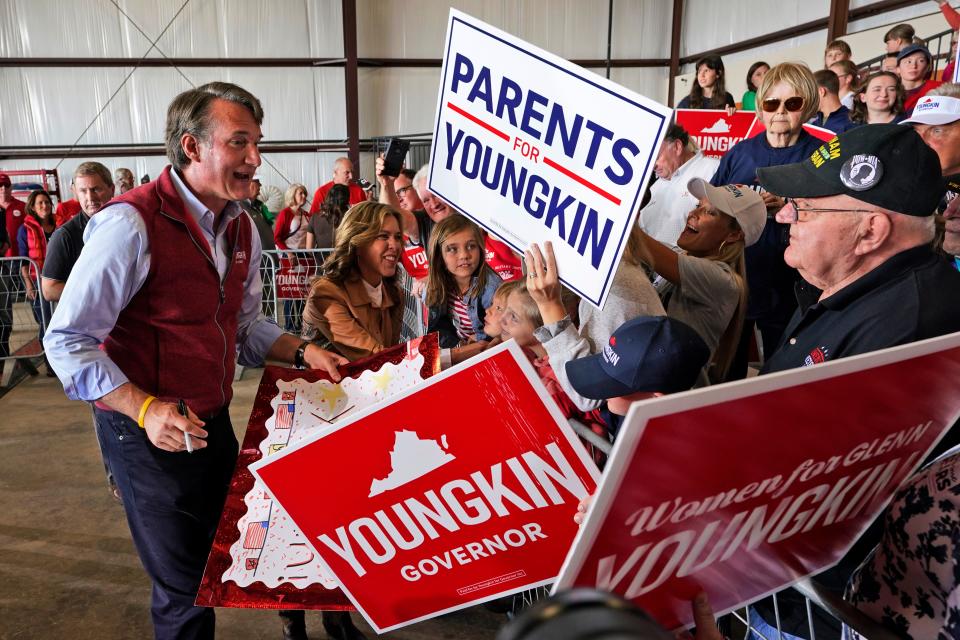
[5,180]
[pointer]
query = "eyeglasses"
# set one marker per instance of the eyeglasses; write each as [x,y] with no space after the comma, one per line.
[790,213]
[792,104]
[403,190]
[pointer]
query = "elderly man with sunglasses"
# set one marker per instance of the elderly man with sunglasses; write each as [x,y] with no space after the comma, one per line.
[860,211]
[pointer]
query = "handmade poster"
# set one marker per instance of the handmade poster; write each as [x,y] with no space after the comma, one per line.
[260,558]
[714,131]
[740,490]
[465,491]
[534,148]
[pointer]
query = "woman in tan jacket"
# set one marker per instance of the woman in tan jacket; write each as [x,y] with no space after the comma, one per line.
[357,304]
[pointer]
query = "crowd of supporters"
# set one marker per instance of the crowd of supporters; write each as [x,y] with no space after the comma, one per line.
[787,252]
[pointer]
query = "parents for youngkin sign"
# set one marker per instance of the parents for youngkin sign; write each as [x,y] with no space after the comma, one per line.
[535,148]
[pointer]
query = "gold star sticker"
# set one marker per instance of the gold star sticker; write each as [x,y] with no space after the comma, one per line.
[381,380]
[332,393]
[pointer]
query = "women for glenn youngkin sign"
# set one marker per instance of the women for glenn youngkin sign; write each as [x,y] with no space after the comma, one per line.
[742,489]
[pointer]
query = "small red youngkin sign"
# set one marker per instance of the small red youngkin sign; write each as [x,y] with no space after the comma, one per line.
[456,492]
[714,131]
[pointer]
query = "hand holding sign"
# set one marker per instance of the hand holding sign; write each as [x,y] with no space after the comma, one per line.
[532,147]
[543,282]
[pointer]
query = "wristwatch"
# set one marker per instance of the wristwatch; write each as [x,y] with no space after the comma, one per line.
[298,356]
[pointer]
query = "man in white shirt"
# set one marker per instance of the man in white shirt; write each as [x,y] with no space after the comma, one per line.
[679,160]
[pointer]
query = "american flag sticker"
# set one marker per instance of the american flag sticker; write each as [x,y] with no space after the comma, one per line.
[284,418]
[256,534]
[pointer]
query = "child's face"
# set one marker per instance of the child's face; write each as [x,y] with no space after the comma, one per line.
[492,315]
[515,324]
[461,255]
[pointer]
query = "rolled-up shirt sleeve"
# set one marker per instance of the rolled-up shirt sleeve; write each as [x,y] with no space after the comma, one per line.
[112,267]
[255,332]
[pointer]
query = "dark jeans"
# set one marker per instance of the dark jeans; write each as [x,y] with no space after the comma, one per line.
[173,503]
[293,316]
[41,313]
[9,279]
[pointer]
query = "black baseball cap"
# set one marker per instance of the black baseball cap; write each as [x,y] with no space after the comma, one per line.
[644,354]
[886,165]
[911,49]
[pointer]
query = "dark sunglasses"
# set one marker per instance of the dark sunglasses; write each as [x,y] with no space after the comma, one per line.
[792,104]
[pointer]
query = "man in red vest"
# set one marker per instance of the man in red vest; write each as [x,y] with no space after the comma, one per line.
[168,284]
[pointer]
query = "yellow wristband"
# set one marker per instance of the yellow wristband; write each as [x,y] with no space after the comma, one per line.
[143,410]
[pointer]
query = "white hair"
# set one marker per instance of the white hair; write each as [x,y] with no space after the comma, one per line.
[420,180]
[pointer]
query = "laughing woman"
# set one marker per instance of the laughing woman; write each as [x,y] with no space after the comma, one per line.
[705,286]
[357,305]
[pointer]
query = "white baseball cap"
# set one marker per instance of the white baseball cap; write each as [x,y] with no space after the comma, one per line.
[742,203]
[935,110]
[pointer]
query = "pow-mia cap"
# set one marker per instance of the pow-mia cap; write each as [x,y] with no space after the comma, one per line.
[885,165]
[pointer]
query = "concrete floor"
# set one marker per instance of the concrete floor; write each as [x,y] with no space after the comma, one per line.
[67,565]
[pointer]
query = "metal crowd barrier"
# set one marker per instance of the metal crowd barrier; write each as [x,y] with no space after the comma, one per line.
[22,320]
[287,275]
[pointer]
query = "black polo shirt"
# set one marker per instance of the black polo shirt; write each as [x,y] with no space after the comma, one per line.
[64,248]
[912,296]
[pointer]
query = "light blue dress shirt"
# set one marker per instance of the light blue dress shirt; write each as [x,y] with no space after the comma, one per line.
[112,268]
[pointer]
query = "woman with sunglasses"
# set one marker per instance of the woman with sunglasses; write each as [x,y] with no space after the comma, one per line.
[786,99]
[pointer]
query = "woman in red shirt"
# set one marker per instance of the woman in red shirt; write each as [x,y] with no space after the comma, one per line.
[290,234]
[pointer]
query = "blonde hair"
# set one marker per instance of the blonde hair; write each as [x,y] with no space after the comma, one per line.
[731,254]
[504,290]
[360,226]
[440,283]
[530,308]
[291,193]
[800,78]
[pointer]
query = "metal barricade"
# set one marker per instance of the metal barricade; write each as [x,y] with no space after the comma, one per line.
[414,323]
[287,275]
[24,314]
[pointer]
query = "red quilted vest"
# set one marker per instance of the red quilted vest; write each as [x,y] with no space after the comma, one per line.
[177,337]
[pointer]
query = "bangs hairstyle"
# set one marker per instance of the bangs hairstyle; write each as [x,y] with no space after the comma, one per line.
[718,99]
[799,77]
[32,199]
[440,282]
[503,291]
[360,227]
[839,45]
[291,193]
[859,111]
[530,309]
[189,113]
